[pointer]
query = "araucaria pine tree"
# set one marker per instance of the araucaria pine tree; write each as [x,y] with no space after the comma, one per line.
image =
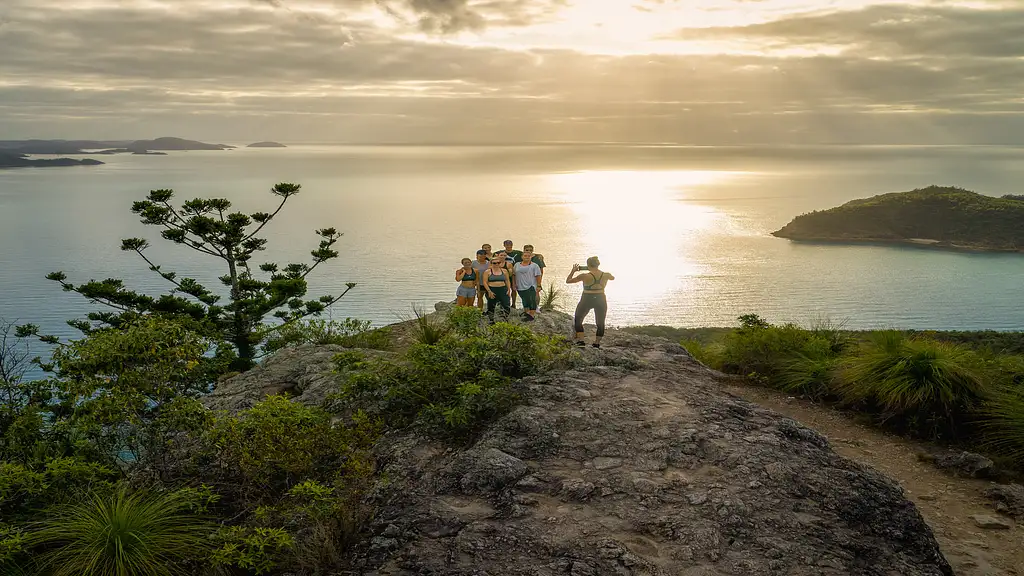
[205,226]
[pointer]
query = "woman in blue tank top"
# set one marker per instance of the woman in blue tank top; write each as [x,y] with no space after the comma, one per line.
[466,276]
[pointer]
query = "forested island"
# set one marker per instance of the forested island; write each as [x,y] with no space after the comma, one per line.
[937,217]
[13,160]
[267,144]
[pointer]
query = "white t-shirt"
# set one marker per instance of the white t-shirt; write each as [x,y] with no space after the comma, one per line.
[526,275]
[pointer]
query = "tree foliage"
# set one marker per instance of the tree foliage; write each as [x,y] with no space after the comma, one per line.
[254,296]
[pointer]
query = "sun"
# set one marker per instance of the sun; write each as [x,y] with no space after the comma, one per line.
[641,224]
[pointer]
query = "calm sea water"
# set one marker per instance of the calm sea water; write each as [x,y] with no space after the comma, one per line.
[685,230]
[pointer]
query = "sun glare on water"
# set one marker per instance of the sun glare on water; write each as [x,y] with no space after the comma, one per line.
[640,224]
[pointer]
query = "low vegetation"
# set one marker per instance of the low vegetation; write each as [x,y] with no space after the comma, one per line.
[111,466]
[958,387]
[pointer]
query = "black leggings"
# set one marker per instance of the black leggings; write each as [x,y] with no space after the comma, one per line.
[500,297]
[596,302]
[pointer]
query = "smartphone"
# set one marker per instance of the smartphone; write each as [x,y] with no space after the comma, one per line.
[584,268]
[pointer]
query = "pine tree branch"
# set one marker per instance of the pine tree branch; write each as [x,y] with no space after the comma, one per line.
[156,269]
[269,218]
[194,244]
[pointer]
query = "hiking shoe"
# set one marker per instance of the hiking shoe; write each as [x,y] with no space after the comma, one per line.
[596,345]
[581,343]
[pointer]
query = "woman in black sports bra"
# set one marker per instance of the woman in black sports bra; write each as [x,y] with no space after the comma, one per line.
[594,280]
[468,282]
[497,283]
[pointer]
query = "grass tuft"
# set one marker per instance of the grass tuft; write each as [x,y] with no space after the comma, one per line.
[123,533]
[428,328]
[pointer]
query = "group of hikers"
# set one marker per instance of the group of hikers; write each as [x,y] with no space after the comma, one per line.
[508,275]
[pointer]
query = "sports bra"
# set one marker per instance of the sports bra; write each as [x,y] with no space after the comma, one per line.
[469,276]
[496,278]
[597,283]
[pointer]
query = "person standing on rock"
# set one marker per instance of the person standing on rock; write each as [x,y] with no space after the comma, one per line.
[497,284]
[593,298]
[538,259]
[528,284]
[513,257]
[468,281]
[480,265]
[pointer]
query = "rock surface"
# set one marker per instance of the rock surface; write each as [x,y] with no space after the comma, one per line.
[966,464]
[1009,499]
[303,372]
[634,463]
[991,522]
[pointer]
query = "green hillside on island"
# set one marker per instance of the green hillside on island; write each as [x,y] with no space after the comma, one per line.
[940,217]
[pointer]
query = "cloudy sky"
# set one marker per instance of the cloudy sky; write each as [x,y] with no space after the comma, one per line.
[683,71]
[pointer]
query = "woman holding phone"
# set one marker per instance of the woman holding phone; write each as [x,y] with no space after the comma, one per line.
[594,280]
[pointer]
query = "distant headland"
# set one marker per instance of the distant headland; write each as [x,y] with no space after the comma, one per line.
[266,144]
[933,217]
[13,153]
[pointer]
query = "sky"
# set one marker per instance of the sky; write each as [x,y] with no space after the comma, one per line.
[694,72]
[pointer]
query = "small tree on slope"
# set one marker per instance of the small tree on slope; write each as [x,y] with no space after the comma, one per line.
[205,226]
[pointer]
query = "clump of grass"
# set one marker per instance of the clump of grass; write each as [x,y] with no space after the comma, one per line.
[551,297]
[708,354]
[810,371]
[123,534]
[428,328]
[1003,424]
[924,386]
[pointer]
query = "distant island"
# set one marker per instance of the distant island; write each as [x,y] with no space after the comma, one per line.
[267,144]
[104,146]
[14,160]
[935,217]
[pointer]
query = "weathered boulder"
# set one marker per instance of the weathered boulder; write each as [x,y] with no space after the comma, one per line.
[635,462]
[962,463]
[1008,498]
[304,372]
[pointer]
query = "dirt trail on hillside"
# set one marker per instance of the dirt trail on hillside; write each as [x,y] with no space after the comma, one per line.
[946,502]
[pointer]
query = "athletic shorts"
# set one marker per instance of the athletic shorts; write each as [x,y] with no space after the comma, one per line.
[464,292]
[528,298]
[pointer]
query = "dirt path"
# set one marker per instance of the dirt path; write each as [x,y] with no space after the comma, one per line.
[947,503]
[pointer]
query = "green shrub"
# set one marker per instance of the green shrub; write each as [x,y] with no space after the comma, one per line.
[761,349]
[922,386]
[349,332]
[14,547]
[258,550]
[709,355]
[122,534]
[264,451]
[428,328]
[452,387]
[465,321]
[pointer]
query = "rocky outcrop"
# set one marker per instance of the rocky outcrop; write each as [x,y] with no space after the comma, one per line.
[1008,498]
[635,462]
[304,372]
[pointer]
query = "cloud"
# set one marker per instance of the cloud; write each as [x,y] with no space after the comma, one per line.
[892,31]
[346,70]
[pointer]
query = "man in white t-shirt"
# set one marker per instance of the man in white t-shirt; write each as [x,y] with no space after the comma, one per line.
[528,281]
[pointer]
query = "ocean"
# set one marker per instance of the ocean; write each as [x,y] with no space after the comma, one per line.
[685,230]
